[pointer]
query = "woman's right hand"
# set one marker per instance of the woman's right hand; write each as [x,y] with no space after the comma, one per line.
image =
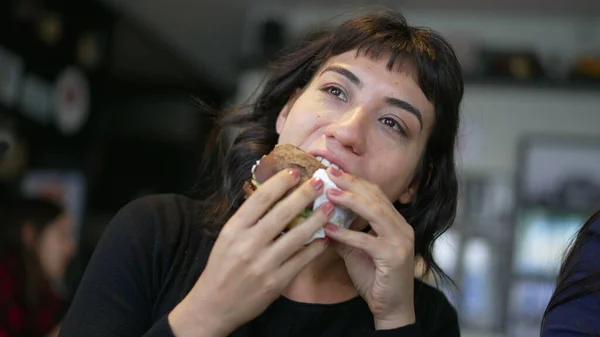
[250,263]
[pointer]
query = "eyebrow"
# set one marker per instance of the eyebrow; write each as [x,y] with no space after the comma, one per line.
[344,72]
[404,105]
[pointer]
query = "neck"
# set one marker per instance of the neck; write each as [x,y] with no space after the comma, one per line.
[325,280]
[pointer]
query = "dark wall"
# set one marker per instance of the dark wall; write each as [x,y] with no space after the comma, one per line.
[47,37]
[144,134]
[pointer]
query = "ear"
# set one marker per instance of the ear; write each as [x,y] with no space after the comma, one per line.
[29,235]
[408,196]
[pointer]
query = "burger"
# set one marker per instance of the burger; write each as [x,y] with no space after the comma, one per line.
[287,156]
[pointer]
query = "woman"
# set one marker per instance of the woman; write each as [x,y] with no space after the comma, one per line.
[574,307]
[36,246]
[376,97]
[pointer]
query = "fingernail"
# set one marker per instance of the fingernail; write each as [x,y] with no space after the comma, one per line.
[335,172]
[317,184]
[331,227]
[295,173]
[335,192]
[327,208]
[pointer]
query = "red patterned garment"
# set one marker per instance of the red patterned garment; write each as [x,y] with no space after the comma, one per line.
[16,320]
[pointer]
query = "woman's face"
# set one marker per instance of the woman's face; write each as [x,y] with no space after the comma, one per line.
[372,122]
[56,246]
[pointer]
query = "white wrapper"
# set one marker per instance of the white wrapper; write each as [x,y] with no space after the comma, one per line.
[342,216]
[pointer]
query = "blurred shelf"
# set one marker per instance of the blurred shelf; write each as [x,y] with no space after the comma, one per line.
[542,84]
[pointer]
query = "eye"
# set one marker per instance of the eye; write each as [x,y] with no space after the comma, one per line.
[337,92]
[393,124]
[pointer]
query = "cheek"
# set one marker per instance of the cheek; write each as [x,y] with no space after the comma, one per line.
[393,179]
[317,121]
[300,125]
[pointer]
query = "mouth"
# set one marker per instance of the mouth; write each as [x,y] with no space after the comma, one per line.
[327,163]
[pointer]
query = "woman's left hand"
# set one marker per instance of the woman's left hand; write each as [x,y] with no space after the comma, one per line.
[381,262]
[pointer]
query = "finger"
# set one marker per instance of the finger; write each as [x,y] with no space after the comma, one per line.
[264,197]
[275,221]
[376,214]
[368,201]
[290,268]
[359,240]
[348,182]
[297,237]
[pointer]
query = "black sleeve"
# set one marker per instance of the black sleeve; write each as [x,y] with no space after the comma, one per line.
[578,315]
[114,297]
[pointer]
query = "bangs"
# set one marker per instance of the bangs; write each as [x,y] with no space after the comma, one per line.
[408,49]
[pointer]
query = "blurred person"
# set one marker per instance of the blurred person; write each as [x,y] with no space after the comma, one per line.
[574,308]
[375,96]
[36,247]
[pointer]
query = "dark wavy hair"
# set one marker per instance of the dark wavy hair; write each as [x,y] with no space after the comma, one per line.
[569,288]
[382,34]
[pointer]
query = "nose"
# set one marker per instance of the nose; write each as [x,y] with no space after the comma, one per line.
[349,129]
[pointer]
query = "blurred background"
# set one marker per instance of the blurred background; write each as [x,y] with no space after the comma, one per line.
[96,109]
